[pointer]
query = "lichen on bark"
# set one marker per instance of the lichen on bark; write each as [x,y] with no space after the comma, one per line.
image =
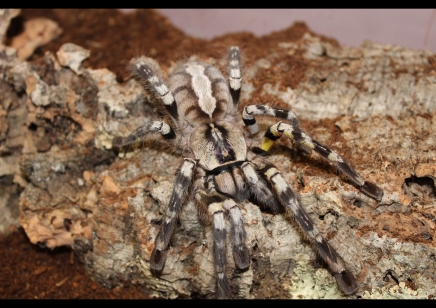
[374,105]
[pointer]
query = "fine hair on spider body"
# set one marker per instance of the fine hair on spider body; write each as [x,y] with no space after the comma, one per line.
[219,167]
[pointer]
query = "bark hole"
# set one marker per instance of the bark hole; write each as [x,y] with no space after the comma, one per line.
[420,186]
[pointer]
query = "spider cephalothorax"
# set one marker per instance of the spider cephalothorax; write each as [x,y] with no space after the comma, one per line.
[221,170]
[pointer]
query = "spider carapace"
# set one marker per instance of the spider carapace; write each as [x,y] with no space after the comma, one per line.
[221,168]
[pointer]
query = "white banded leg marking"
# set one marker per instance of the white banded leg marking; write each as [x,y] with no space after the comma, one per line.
[182,184]
[143,70]
[248,115]
[260,190]
[293,131]
[290,201]
[216,210]
[301,137]
[219,235]
[286,195]
[218,206]
[234,70]
[157,83]
[238,235]
[155,127]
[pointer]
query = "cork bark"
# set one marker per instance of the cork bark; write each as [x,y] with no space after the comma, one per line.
[375,105]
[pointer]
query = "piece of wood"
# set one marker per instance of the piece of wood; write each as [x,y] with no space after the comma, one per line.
[374,105]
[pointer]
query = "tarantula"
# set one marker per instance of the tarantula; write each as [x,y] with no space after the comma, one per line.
[221,169]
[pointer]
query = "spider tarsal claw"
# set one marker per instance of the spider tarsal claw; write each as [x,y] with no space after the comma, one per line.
[347,282]
[372,190]
[157,261]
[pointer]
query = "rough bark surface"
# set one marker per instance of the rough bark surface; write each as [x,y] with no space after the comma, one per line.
[375,105]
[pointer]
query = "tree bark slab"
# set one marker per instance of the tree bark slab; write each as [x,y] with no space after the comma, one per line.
[375,105]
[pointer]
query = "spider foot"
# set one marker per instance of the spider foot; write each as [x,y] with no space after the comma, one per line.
[241,258]
[117,142]
[347,282]
[371,190]
[221,286]
[157,261]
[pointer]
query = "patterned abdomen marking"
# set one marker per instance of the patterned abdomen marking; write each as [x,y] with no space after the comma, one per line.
[201,93]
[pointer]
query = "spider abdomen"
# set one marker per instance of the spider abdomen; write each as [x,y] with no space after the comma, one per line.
[201,92]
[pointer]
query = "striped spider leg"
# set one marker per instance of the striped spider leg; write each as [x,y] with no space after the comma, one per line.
[219,208]
[234,70]
[154,127]
[293,131]
[182,184]
[288,199]
[147,70]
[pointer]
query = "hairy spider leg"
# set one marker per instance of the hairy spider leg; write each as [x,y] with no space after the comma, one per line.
[219,208]
[234,70]
[182,184]
[260,193]
[249,113]
[219,234]
[237,234]
[289,200]
[237,231]
[294,132]
[154,127]
[141,68]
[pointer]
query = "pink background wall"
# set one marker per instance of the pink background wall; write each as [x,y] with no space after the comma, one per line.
[413,28]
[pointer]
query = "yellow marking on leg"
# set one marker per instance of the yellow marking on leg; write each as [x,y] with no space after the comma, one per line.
[266,144]
[215,207]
